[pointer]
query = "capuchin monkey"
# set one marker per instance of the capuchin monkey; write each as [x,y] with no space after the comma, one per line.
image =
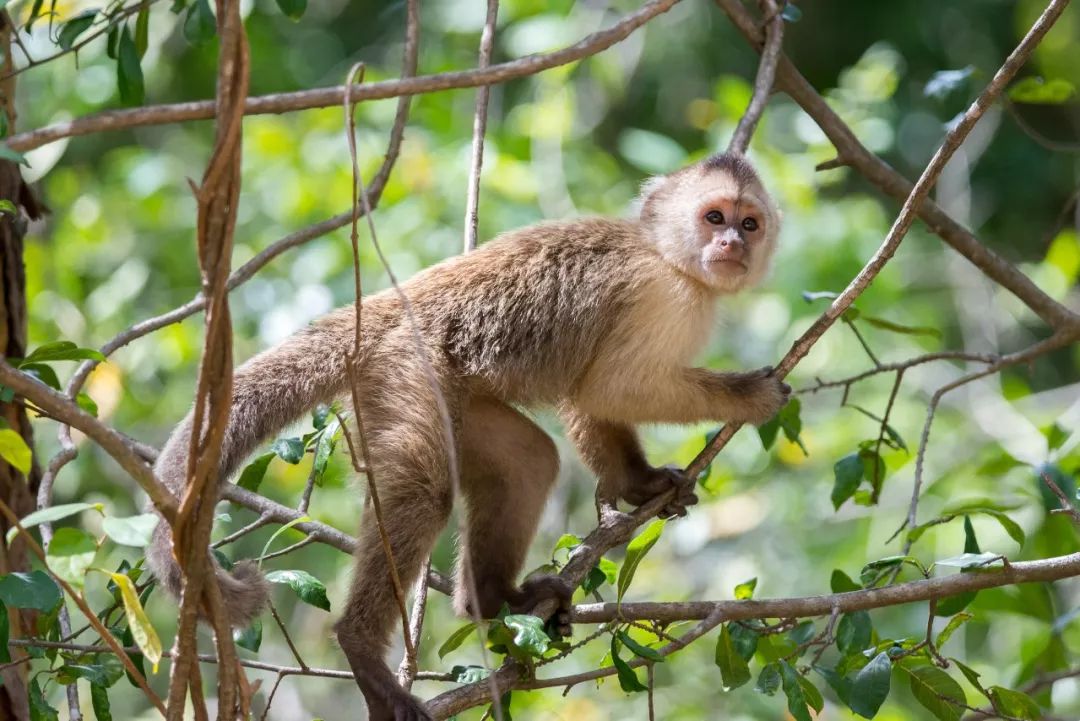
[599,318]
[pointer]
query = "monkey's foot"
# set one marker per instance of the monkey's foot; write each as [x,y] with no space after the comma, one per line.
[541,588]
[656,481]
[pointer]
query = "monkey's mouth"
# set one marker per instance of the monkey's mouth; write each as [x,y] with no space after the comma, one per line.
[728,264]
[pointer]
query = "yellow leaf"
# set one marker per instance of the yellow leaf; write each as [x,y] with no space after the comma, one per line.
[14,450]
[145,636]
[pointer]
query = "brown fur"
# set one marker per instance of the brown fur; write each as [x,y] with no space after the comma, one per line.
[599,317]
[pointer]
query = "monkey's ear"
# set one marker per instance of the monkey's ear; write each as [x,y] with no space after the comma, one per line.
[648,188]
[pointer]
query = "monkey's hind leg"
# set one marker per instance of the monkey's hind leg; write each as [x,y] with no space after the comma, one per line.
[508,468]
[406,438]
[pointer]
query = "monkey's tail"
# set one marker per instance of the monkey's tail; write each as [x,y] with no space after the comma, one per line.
[270,391]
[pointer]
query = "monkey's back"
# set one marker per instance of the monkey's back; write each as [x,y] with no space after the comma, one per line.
[524,315]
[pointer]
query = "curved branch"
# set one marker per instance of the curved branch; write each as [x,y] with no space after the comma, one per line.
[67,411]
[333,96]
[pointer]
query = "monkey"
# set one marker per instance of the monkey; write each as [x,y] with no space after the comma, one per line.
[598,318]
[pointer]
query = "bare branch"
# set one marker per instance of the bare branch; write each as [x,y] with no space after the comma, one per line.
[763,84]
[472,202]
[329,97]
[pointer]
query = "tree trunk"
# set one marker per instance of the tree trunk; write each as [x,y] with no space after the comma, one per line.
[16,490]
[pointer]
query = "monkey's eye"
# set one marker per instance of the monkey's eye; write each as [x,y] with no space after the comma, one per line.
[715,217]
[750,224]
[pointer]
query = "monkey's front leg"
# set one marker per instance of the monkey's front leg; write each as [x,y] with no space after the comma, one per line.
[612,451]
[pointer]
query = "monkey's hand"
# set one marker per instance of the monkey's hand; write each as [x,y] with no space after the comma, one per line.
[757,395]
[541,588]
[651,482]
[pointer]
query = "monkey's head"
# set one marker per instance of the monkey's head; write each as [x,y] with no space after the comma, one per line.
[714,221]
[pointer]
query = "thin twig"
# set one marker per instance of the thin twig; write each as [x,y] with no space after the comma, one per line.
[472,216]
[763,83]
[329,97]
[407,668]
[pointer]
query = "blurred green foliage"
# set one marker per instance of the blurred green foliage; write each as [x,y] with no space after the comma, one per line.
[118,247]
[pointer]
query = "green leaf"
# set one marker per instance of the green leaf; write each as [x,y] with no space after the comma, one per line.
[99,701]
[944,82]
[744,639]
[1011,527]
[936,691]
[36,590]
[873,467]
[40,710]
[840,582]
[900,328]
[112,666]
[640,649]
[273,537]
[456,639]
[293,9]
[70,672]
[42,372]
[320,416]
[290,450]
[745,589]
[469,674]
[628,679]
[131,531]
[837,682]
[61,350]
[802,633]
[324,449]
[848,473]
[14,450]
[70,553]
[876,571]
[853,633]
[796,698]
[768,681]
[129,75]
[14,156]
[971,560]
[566,540]
[53,513]
[75,27]
[1014,703]
[142,30]
[310,589]
[734,671]
[791,423]
[871,686]
[767,431]
[594,580]
[254,472]
[635,551]
[1042,92]
[142,631]
[529,633]
[813,697]
[250,637]
[199,25]
[87,403]
[6,206]
[954,623]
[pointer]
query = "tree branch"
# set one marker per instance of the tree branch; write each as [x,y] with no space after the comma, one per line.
[763,83]
[332,96]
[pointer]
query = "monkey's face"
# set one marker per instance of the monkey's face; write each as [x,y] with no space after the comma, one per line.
[715,222]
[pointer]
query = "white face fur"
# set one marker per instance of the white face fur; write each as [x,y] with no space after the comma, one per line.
[713,221]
